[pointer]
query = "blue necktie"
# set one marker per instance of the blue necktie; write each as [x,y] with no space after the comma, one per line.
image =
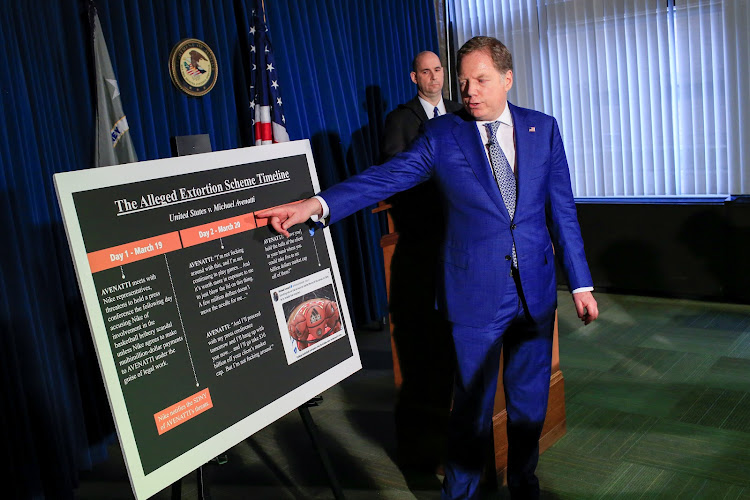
[436,113]
[504,176]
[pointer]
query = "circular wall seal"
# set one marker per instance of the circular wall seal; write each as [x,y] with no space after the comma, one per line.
[192,66]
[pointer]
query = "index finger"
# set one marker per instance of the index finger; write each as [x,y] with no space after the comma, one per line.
[276,210]
[266,213]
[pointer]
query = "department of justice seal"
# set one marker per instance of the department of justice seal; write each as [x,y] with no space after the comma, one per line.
[193,68]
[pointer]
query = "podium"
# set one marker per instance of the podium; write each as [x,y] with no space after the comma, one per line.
[554,426]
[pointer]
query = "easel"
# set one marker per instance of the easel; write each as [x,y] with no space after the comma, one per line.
[201,143]
[312,431]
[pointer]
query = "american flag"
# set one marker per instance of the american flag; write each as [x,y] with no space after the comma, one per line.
[269,123]
[192,71]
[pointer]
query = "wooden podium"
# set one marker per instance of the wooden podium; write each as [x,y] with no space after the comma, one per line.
[554,425]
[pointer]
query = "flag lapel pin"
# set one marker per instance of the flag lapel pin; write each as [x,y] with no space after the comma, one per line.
[532,129]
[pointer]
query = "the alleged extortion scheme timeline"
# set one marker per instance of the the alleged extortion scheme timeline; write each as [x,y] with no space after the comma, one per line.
[208,325]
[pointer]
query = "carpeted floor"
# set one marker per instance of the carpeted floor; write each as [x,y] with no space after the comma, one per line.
[658,406]
[658,402]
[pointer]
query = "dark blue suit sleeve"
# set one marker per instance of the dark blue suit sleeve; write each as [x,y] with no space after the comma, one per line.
[379,182]
[562,218]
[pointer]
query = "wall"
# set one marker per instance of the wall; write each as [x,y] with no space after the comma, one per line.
[688,250]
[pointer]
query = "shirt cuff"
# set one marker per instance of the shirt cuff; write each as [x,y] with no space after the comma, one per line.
[326,212]
[583,289]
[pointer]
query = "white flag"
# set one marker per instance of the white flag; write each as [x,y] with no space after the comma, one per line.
[113,142]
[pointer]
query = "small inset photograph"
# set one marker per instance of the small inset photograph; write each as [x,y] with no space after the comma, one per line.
[312,317]
[308,314]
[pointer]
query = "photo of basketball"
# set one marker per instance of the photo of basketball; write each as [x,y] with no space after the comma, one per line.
[313,320]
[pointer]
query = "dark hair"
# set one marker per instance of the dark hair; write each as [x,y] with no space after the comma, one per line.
[500,54]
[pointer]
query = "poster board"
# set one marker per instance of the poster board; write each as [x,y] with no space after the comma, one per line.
[207,325]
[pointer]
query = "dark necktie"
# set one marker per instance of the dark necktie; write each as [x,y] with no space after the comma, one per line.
[436,113]
[504,176]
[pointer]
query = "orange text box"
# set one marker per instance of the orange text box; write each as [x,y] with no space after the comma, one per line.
[134,251]
[181,412]
[215,230]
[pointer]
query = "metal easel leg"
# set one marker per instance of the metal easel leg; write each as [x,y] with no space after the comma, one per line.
[312,430]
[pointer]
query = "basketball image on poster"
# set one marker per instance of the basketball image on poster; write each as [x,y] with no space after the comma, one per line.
[310,314]
[312,320]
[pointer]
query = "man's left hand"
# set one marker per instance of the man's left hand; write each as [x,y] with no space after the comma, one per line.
[586,306]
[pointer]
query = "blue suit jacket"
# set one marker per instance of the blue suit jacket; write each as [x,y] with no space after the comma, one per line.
[479,232]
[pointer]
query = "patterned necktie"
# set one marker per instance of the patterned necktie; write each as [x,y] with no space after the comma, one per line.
[504,176]
[436,113]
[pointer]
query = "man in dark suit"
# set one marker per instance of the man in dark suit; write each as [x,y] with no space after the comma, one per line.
[422,337]
[403,123]
[503,174]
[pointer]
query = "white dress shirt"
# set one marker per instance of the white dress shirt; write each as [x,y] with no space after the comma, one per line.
[504,136]
[429,109]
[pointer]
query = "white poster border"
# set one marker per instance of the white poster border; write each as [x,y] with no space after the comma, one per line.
[68,183]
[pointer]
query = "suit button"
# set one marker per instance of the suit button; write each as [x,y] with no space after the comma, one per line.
[512,226]
[507,257]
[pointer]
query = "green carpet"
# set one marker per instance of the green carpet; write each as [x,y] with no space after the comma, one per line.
[658,402]
[658,407]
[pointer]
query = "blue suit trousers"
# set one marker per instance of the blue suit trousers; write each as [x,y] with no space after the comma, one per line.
[526,347]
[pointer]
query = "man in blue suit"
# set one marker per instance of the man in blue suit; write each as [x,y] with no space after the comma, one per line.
[505,183]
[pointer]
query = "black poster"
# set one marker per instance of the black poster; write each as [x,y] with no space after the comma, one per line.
[208,325]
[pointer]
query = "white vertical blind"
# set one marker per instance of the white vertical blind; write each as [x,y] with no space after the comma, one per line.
[651,95]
